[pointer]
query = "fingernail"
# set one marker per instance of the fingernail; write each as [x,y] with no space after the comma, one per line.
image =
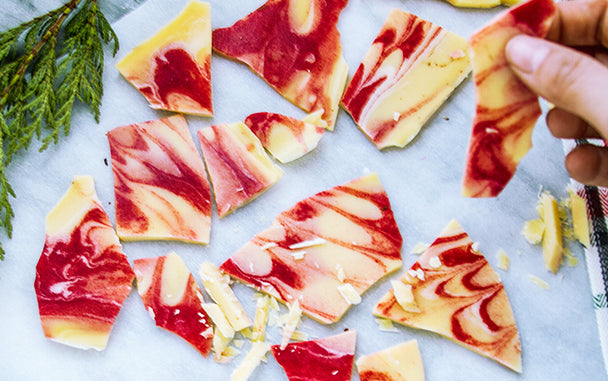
[526,53]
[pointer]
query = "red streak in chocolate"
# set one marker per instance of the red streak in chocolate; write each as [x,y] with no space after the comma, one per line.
[386,237]
[285,278]
[459,331]
[222,151]
[311,361]
[262,123]
[79,278]
[358,95]
[374,375]
[450,238]
[302,211]
[361,89]
[466,260]
[185,182]
[176,72]
[490,165]
[460,256]
[267,42]
[489,162]
[534,17]
[484,311]
[279,275]
[187,318]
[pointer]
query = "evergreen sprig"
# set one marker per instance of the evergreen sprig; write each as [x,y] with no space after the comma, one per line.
[47,65]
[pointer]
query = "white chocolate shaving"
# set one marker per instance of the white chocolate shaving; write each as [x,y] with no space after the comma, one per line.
[293,320]
[475,247]
[349,293]
[503,260]
[218,318]
[298,255]
[340,274]
[268,245]
[435,262]
[420,274]
[404,295]
[386,325]
[309,243]
[420,248]
[251,361]
[260,319]
[539,282]
[218,288]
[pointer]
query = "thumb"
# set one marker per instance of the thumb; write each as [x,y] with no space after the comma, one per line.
[565,77]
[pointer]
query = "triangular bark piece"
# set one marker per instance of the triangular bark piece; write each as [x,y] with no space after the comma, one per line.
[459,296]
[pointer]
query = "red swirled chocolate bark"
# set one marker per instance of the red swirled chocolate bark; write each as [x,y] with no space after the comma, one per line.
[239,168]
[329,358]
[82,276]
[172,69]
[286,138]
[294,45]
[174,300]
[457,294]
[325,251]
[506,110]
[160,183]
[408,73]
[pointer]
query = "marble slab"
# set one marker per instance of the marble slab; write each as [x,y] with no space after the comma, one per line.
[557,326]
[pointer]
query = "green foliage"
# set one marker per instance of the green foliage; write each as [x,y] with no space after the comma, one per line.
[48,64]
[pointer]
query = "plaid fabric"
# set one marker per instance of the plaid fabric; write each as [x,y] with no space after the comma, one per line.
[596,255]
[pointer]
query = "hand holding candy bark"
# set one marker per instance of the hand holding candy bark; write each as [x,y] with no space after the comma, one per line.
[575,82]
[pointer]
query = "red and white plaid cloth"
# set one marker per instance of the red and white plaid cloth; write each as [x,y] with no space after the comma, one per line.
[596,255]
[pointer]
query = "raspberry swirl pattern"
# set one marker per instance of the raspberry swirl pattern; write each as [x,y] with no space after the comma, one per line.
[172,69]
[239,168]
[286,138]
[174,300]
[506,110]
[410,70]
[294,45]
[460,297]
[329,358]
[82,276]
[160,183]
[348,230]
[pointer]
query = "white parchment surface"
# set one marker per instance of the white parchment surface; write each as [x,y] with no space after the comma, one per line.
[557,326]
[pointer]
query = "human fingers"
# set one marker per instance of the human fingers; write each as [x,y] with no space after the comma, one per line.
[580,23]
[569,79]
[565,125]
[588,164]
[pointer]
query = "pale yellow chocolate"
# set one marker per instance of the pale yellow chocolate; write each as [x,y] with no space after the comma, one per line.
[401,362]
[552,236]
[460,297]
[412,75]
[190,34]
